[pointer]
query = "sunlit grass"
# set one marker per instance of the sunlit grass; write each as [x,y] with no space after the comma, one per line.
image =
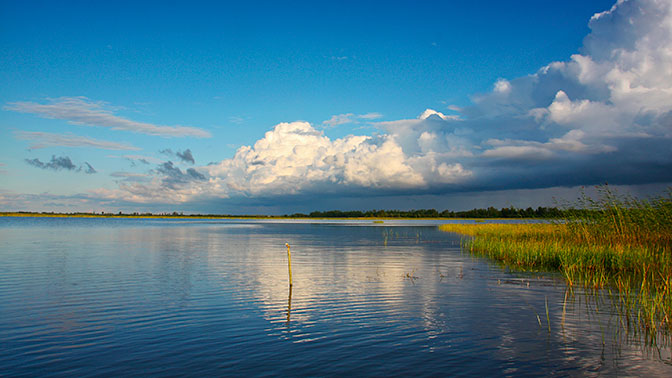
[619,242]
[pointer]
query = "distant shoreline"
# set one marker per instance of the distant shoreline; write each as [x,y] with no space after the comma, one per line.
[269,217]
[489,213]
[147,216]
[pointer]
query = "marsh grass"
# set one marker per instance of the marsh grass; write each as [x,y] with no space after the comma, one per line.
[616,242]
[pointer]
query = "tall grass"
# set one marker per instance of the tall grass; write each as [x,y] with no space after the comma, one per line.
[616,241]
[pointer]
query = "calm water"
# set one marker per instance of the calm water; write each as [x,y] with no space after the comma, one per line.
[169,297]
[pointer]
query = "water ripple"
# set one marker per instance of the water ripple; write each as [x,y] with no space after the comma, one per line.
[99,297]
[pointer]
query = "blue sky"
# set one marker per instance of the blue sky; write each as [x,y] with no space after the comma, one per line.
[273,108]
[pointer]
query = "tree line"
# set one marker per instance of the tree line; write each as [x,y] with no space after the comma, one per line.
[490,212]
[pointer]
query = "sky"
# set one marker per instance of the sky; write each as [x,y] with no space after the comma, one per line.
[270,108]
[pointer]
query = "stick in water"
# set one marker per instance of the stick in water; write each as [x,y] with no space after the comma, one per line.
[289,264]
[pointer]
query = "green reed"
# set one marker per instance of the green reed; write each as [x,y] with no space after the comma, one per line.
[613,241]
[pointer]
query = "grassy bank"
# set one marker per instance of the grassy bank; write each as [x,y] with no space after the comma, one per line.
[622,243]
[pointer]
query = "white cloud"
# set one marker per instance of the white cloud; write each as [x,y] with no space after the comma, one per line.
[603,114]
[502,86]
[604,100]
[372,115]
[431,112]
[82,111]
[431,132]
[531,150]
[341,119]
[294,157]
[622,82]
[43,140]
[593,115]
[130,176]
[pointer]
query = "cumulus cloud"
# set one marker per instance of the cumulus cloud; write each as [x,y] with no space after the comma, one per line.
[590,116]
[433,113]
[43,140]
[294,157]
[61,163]
[82,111]
[604,114]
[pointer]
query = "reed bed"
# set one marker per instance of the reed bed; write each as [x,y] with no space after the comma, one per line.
[622,243]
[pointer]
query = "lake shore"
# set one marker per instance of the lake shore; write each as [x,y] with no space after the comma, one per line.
[280,217]
[624,243]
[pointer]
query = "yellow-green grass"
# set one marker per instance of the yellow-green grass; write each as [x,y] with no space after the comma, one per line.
[617,242]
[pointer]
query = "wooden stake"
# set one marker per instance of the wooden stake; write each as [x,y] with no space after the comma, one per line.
[289,264]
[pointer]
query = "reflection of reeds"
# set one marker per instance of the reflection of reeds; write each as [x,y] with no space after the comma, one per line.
[619,242]
[411,276]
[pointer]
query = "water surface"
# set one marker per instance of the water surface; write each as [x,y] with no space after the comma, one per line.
[87,296]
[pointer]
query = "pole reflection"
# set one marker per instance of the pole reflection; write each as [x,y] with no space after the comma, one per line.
[289,304]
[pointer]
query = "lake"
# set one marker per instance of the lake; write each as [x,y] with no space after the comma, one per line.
[95,296]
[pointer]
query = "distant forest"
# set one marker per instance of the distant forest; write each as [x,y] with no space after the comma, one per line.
[490,212]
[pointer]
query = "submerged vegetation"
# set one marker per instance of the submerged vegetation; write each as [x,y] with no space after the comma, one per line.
[619,243]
